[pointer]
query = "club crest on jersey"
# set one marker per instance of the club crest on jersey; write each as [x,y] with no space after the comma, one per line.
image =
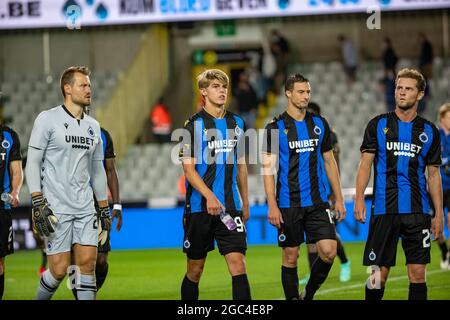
[6,144]
[385,130]
[423,137]
[237,130]
[66,125]
[286,131]
[205,131]
[91,132]
[317,130]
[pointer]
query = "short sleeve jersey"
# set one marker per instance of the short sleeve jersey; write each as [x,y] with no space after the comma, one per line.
[402,152]
[301,178]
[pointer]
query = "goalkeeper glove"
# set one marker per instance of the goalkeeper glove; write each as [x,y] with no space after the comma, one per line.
[104,224]
[44,221]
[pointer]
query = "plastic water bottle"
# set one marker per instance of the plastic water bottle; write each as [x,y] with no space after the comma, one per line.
[227,220]
[7,198]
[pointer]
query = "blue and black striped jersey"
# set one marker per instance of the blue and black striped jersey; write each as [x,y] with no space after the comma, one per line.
[402,151]
[9,151]
[108,146]
[301,177]
[216,146]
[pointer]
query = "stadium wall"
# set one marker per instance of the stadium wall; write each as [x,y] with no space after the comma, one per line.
[21,52]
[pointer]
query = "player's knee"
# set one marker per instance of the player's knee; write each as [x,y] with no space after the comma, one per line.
[195,272]
[59,271]
[416,275]
[237,268]
[328,254]
[290,260]
[87,265]
[290,255]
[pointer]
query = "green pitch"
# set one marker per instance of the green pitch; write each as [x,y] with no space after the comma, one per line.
[157,274]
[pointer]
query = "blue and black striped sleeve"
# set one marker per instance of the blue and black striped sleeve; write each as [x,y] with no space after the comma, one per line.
[327,144]
[369,143]
[109,149]
[15,150]
[434,154]
[270,133]
[187,141]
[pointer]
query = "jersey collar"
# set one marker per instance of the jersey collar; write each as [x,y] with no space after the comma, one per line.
[288,116]
[206,114]
[68,112]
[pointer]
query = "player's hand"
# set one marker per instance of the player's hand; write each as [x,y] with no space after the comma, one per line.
[16,200]
[437,226]
[359,210]
[245,213]
[213,205]
[340,210]
[104,224]
[44,221]
[274,216]
[117,214]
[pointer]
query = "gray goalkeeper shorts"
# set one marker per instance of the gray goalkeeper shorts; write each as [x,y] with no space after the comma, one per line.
[71,229]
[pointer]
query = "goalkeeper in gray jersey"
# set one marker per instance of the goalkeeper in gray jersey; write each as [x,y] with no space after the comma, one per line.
[64,170]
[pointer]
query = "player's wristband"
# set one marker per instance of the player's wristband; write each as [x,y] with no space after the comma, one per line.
[117,206]
[37,200]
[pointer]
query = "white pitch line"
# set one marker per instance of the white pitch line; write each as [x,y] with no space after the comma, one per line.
[359,285]
[398,278]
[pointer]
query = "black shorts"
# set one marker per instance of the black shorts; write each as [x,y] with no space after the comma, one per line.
[316,221]
[201,229]
[6,233]
[384,232]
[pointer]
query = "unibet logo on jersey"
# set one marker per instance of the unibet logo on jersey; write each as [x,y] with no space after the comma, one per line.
[80,141]
[308,145]
[405,149]
[222,145]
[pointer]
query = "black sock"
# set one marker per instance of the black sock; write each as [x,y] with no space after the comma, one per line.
[2,285]
[44,259]
[319,272]
[100,274]
[241,287]
[189,289]
[417,291]
[444,250]
[312,256]
[341,252]
[289,279]
[374,294]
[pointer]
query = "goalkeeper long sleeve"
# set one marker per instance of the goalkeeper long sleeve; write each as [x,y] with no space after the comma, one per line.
[98,179]
[33,169]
